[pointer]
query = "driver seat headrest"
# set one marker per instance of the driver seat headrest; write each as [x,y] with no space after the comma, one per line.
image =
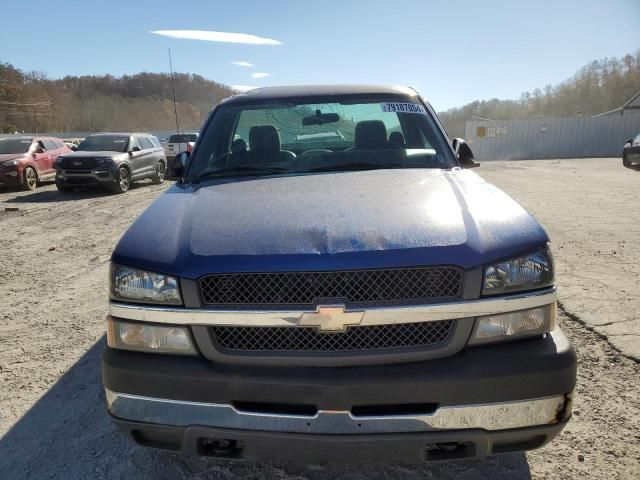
[264,138]
[370,134]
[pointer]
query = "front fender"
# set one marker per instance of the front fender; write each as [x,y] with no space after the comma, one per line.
[22,167]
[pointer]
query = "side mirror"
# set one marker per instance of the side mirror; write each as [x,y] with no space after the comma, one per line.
[183,158]
[135,149]
[179,166]
[74,147]
[628,142]
[38,150]
[464,153]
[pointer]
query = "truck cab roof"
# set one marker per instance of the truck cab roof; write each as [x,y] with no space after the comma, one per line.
[306,91]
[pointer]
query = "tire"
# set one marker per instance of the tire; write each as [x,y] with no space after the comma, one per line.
[161,171]
[29,179]
[63,188]
[123,181]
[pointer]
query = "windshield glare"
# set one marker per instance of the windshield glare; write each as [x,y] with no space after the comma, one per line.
[335,135]
[14,145]
[104,143]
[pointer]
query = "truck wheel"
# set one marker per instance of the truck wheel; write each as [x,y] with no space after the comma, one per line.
[123,181]
[158,177]
[29,179]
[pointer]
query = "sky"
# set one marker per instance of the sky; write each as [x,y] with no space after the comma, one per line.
[453,51]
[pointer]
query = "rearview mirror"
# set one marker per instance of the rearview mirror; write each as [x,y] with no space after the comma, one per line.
[464,153]
[183,158]
[320,118]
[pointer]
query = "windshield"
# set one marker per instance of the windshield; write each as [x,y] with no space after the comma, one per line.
[14,145]
[105,143]
[338,135]
[183,138]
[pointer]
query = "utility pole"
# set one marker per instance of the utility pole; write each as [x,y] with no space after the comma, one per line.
[173,90]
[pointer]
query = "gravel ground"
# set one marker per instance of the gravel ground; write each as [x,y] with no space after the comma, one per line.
[589,208]
[53,290]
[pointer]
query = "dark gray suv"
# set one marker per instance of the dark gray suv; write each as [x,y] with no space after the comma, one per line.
[113,160]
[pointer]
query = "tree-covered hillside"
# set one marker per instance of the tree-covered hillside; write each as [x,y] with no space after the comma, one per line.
[600,86]
[31,102]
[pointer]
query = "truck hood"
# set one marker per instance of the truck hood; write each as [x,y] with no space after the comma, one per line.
[345,220]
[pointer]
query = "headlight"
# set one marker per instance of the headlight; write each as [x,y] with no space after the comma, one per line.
[144,337]
[135,285]
[505,326]
[527,272]
[11,163]
[104,161]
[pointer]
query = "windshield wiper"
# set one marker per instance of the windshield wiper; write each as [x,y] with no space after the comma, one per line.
[356,166]
[244,170]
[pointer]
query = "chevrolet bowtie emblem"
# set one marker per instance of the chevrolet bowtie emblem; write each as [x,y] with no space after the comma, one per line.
[330,318]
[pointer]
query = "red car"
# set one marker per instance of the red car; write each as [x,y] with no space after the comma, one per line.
[26,161]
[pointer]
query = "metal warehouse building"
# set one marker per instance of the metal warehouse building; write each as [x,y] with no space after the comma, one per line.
[598,136]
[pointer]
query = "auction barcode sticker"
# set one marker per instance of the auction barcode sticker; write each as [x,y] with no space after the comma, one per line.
[402,107]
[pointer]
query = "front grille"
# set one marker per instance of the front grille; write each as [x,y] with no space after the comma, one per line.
[80,164]
[310,339]
[355,287]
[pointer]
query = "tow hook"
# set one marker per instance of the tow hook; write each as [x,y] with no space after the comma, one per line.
[220,447]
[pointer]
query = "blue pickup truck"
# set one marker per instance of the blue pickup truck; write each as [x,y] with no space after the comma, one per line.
[329,282]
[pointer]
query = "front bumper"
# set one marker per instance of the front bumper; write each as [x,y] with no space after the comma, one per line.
[483,400]
[10,177]
[490,417]
[98,176]
[399,448]
[631,161]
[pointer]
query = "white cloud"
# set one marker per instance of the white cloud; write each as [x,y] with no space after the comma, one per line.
[243,88]
[260,75]
[211,36]
[242,63]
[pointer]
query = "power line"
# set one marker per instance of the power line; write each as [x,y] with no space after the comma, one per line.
[173,90]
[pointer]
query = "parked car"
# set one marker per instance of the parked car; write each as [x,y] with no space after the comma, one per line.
[177,143]
[113,160]
[631,153]
[373,300]
[27,161]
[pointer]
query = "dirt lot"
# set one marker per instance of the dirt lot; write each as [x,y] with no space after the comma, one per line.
[53,289]
[588,207]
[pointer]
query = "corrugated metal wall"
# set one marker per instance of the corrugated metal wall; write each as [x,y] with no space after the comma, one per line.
[551,137]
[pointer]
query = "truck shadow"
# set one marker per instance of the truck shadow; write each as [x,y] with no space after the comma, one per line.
[67,434]
[53,196]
